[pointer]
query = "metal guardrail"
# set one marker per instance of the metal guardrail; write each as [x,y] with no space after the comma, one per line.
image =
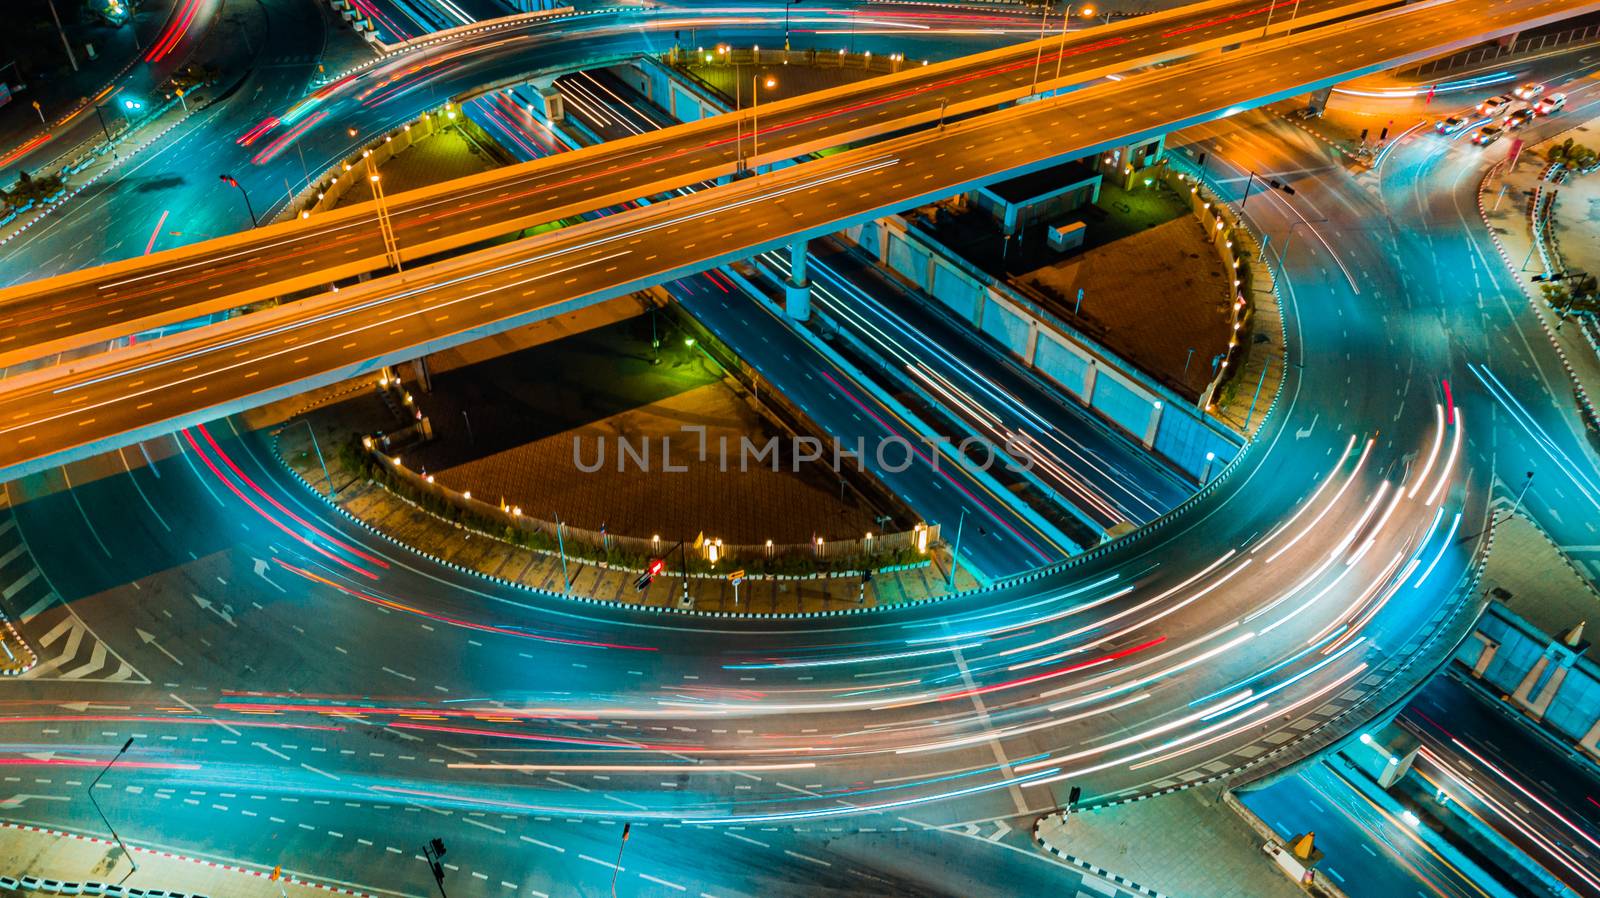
[1493,52]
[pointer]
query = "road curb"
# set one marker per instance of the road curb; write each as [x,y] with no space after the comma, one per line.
[1044,843]
[154,852]
[1533,301]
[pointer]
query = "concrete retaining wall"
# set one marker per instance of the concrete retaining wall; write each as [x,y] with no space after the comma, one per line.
[1120,394]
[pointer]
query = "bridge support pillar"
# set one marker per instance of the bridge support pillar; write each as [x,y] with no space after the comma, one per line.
[1486,655]
[1590,743]
[1319,101]
[797,289]
[424,379]
[1539,686]
[1154,425]
[553,104]
[1393,772]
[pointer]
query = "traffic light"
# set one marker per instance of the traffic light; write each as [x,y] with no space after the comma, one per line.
[434,850]
[648,575]
[229,180]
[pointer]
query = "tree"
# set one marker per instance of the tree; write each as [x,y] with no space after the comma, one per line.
[30,188]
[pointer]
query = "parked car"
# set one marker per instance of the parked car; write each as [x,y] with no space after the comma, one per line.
[1487,134]
[1552,103]
[1451,125]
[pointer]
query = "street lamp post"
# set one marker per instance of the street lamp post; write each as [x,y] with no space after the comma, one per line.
[755,118]
[1061,45]
[318,446]
[231,181]
[102,117]
[101,811]
[1038,56]
[1283,252]
[1515,506]
[1247,185]
[71,57]
[786,7]
[960,526]
[561,546]
[617,867]
[391,244]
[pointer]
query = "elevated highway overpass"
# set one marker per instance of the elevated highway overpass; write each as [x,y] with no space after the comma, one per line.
[99,403]
[41,318]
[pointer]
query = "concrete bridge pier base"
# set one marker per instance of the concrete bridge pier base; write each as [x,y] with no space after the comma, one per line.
[424,378]
[1319,101]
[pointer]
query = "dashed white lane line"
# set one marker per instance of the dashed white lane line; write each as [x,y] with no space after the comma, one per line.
[807,857]
[662,882]
[532,841]
[746,839]
[271,751]
[606,864]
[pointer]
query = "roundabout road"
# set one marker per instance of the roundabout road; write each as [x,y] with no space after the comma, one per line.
[267,647]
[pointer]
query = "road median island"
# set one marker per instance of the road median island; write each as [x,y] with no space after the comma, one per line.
[367,453]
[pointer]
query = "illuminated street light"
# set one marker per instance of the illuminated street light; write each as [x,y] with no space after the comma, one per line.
[232,182]
[391,243]
[755,118]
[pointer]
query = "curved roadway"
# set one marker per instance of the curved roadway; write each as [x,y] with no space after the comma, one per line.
[1325,558]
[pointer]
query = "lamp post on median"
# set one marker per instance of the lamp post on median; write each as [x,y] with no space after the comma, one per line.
[755,118]
[1061,45]
[231,181]
[102,117]
[101,811]
[391,244]
[1038,56]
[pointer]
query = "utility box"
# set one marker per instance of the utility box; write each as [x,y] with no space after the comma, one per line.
[1067,236]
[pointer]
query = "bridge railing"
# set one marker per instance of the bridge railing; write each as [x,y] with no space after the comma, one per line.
[874,551]
[1495,52]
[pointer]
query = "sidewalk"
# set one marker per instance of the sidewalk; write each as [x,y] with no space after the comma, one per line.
[73,858]
[1504,200]
[1188,844]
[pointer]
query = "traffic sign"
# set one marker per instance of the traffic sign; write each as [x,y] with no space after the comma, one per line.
[736,577]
